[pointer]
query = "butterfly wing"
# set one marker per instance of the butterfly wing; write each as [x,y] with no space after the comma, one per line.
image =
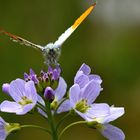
[22,41]
[71,29]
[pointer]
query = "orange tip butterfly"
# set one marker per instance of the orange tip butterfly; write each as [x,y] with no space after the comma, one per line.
[52,51]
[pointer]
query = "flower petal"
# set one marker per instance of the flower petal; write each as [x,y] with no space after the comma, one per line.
[3,134]
[98,111]
[81,79]
[25,109]
[115,112]
[95,77]
[85,68]
[11,107]
[112,133]
[30,91]
[61,89]
[32,72]
[42,112]
[91,91]
[17,89]
[2,121]
[74,94]
[83,115]
[41,101]
[64,107]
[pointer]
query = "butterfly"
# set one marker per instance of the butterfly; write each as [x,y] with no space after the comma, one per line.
[52,51]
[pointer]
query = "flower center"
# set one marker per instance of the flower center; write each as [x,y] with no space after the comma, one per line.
[25,101]
[82,106]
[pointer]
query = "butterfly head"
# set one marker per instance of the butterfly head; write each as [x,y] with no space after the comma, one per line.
[51,54]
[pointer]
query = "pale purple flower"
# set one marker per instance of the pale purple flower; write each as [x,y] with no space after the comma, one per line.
[60,91]
[24,95]
[7,128]
[100,115]
[83,76]
[3,132]
[81,99]
[83,93]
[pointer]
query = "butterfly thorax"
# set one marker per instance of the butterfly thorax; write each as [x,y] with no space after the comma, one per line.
[51,54]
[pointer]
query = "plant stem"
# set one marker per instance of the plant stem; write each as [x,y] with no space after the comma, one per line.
[35,126]
[61,120]
[72,124]
[51,122]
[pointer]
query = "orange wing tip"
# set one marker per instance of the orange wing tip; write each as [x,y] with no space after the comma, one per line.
[8,34]
[83,16]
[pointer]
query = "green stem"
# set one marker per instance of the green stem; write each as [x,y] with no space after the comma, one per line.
[51,122]
[36,126]
[61,120]
[72,124]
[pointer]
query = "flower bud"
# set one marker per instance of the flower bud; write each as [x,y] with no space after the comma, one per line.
[35,80]
[5,88]
[26,76]
[49,94]
[32,72]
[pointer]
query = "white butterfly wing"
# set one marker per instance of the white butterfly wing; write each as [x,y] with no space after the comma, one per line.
[70,30]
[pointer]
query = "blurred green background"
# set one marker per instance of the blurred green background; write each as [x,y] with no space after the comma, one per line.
[108,41]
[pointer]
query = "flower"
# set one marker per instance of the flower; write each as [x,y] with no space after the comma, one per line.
[25,96]
[6,128]
[49,85]
[99,117]
[3,132]
[83,76]
[32,76]
[44,79]
[54,73]
[83,93]
[57,95]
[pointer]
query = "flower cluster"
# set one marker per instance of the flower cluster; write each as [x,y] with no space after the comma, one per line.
[47,94]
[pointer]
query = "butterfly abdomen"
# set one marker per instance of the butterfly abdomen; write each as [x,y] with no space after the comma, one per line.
[51,54]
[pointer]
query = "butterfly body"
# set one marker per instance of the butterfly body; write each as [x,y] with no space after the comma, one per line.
[52,51]
[51,54]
